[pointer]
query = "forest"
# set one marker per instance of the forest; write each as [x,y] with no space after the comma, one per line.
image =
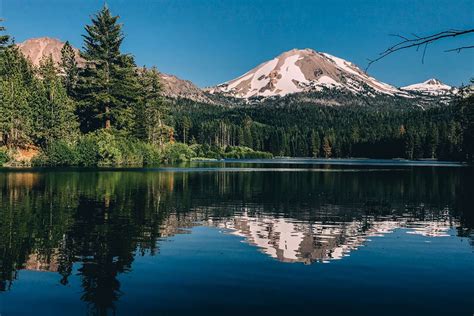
[112,112]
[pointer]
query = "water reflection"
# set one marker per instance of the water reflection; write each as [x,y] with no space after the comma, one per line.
[97,222]
[292,241]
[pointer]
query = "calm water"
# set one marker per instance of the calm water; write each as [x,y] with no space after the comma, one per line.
[253,238]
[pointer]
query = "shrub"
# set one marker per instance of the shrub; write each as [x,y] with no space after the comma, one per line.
[87,151]
[107,148]
[151,154]
[4,157]
[177,152]
[58,153]
[230,152]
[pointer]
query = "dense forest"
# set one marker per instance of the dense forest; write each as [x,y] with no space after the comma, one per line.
[112,112]
[309,131]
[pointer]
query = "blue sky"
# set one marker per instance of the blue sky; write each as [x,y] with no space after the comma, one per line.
[212,41]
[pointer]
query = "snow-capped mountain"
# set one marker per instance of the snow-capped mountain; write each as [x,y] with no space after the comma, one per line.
[430,87]
[303,70]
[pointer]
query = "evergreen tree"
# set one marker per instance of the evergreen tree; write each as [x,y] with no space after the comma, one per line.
[433,141]
[69,68]
[150,112]
[56,119]
[107,86]
[19,92]
[327,150]
[186,125]
[315,143]
[466,116]
[4,38]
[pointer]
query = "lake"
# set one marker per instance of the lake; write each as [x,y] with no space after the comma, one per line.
[278,237]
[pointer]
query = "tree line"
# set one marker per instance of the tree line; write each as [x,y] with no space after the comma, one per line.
[307,130]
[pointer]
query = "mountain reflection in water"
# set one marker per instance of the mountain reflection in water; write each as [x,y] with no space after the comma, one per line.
[98,222]
[319,241]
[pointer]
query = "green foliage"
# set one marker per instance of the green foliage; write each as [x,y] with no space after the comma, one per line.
[4,38]
[57,120]
[308,130]
[69,68]
[101,148]
[19,99]
[58,153]
[177,152]
[87,151]
[4,157]
[150,111]
[108,86]
[240,152]
[229,152]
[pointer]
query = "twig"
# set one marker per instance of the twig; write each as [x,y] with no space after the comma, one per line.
[418,42]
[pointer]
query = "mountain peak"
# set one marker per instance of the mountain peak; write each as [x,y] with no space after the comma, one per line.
[433,81]
[37,48]
[431,86]
[302,70]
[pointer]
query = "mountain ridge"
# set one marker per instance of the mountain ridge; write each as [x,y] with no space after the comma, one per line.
[292,72]
[173,87]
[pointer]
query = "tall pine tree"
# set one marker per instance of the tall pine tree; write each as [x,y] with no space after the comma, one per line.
[107,86]
[19,98]
[69,68]
[4,38]
[56,119]
[150,113]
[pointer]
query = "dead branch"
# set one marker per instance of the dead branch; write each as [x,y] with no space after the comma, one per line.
[420,41]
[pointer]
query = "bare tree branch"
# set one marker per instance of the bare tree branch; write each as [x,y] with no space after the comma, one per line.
[459,49]
[420,41]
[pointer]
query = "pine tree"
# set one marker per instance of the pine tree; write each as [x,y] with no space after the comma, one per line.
[56,119]
[327,147]
[19,93]
[315,143]
[150,113]
[69,68]
[4,39]
[107,86]
[409,145]
[186,125]
[433,141]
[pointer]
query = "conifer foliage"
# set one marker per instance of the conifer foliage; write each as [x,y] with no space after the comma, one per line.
[69,67]
[107,87]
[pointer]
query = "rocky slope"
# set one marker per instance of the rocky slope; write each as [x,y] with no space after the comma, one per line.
[37,48]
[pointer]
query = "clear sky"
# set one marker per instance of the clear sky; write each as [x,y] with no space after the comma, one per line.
[212,41]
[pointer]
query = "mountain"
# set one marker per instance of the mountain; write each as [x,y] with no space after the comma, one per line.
[37,48]
[298,75]
[303,70]
[173,87]
[432,87]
